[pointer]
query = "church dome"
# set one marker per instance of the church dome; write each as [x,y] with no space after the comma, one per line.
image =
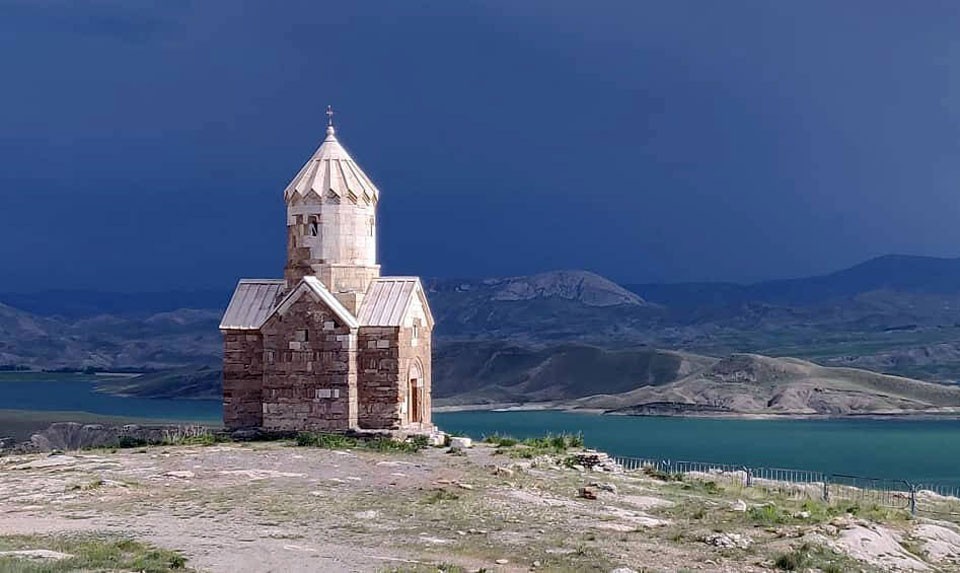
[332,174]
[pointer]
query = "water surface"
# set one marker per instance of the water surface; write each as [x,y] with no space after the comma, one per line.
[916,450]
[75,393]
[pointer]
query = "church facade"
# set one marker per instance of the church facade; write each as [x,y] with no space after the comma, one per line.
[333,346]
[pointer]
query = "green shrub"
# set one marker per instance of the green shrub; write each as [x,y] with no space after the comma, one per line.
[419,441]
[528,448]
[91,552]
[333,441]
[809,556]
[704,487]
[131,442]
[501,441]
[555,443]
[189,436]
[440,496]
[662,475]
[788,561]
[767,515]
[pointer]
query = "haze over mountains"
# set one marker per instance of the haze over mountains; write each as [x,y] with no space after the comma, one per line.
[564,335]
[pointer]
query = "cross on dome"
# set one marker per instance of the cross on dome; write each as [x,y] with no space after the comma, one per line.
[330,130]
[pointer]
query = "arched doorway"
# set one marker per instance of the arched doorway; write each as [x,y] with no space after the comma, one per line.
[415,393]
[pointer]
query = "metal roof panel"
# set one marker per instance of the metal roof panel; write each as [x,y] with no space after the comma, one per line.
[251,304]
[387,301]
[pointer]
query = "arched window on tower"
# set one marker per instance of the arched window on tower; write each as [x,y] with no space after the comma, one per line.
[314,228]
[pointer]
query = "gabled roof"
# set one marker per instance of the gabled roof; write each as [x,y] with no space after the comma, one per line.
[332,170]
[388,301]
[313,285]
[251,304]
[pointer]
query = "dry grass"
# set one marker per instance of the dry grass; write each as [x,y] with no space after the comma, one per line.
[89,552]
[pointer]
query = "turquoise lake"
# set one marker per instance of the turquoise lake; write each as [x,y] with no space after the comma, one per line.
[915,450]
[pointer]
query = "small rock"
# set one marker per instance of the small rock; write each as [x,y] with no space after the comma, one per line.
[623,570]
[596,461]
[460,443]
[587,493]
[36,554]
[182,474]
[739,505]
[501,471]
[464,485]
[729,541]
[502,561]
[802,515]
[436,440]
[842,522]
[605,487]
[536,564]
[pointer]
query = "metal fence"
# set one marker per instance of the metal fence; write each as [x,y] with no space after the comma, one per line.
[926,498]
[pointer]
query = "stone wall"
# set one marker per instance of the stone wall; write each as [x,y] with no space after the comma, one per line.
[389,357]
[348,283]
[299,263]
[335,241]
[336,230]
[417,350]
[242,379]
[379,388]
[310,373]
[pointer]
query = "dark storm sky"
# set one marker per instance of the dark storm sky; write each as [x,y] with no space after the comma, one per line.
[146,146]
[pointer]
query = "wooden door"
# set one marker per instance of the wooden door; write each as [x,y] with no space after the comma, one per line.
[415,414]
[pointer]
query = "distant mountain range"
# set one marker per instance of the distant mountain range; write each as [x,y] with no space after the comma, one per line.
[550,336]
[923,276]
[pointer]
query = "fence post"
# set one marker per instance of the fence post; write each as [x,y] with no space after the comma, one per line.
[749,475]
[826,489]
[913,500]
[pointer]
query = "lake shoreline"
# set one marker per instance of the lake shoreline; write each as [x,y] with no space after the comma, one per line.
[555,407]
[914,447]
[20,424]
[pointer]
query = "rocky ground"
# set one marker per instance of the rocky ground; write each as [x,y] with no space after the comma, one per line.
[278,507]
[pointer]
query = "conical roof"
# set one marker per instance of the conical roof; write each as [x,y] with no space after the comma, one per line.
[332,172]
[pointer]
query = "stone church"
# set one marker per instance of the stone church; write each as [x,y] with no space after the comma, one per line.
[333,346]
